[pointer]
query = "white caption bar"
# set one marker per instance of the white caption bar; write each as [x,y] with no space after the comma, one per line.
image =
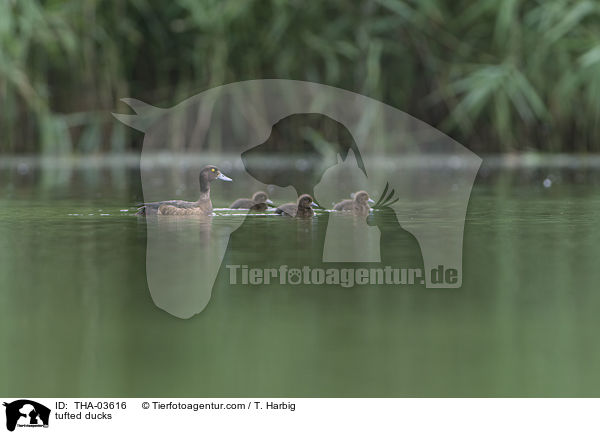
[290,415]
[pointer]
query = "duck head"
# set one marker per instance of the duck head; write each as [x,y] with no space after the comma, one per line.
[208,174]
[362,197]
[306,201]
[261,197]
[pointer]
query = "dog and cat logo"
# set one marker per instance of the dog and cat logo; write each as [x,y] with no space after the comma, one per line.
[25,413]
[290,138]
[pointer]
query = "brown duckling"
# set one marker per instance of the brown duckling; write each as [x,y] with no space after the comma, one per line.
[203,206]
[259,207]
[302,208]
[359,205]
[259,202]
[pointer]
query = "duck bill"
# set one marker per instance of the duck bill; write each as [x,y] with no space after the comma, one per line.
[370,200]
[269,201]
[223,177]
[314,204]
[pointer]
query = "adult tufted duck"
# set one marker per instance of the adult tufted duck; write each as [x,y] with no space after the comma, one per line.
[203,206]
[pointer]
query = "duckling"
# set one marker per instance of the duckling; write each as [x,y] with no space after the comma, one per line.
[359,205]
[203,206]
[300,209]
[259,207]
[259,202]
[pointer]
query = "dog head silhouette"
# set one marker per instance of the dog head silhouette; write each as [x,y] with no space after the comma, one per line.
[307,144]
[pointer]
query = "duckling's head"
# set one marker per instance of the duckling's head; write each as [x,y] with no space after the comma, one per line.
[210,173]
[306,201]
[362,197]
[261,197]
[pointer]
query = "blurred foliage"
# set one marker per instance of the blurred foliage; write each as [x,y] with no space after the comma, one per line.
[497,75]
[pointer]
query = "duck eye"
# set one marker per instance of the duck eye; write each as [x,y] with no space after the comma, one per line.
[212,170]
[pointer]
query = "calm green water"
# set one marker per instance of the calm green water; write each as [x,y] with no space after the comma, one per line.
[76,317]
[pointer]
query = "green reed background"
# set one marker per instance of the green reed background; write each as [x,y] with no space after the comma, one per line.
[497,75]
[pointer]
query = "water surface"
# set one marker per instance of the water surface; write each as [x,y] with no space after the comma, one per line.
[77,319]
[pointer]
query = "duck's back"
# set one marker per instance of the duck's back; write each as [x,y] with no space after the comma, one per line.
[288,209]
[165,209]
[151,208]
[242,204]
[345,205]
[259,207]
